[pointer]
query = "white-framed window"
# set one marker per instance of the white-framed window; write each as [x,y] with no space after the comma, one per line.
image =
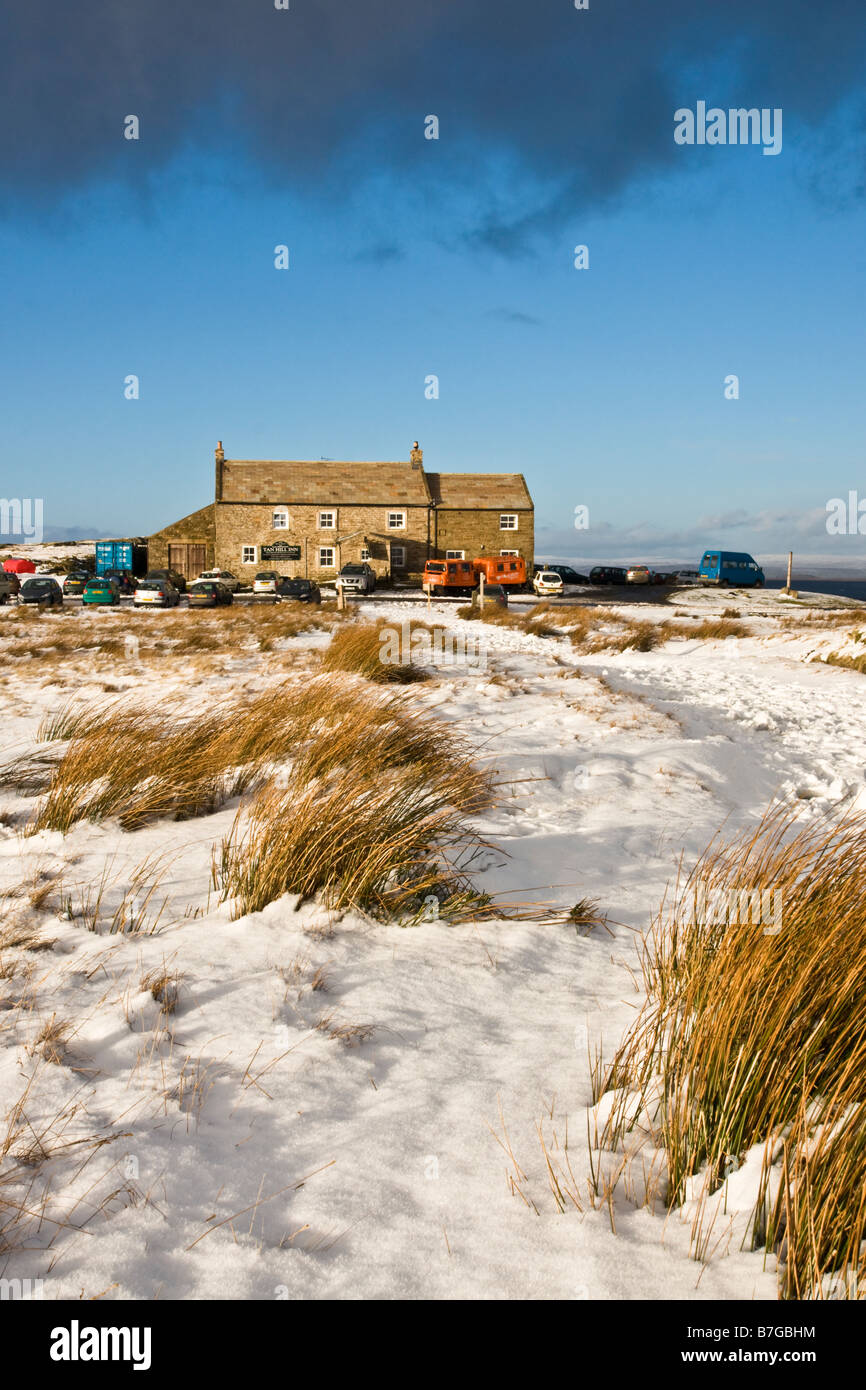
[248,555]
[396,521]
[508,521]
[509,552]
[398,557]
[455,554]
[326,557]
[365,554]
[327,521]
[280,519]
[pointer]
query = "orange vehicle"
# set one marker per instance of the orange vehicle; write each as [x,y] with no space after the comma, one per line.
[508,570]
[449,576]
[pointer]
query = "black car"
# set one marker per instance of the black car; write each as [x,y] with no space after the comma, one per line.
[607,574]
[9,585]
[496,593]
[76,582]
[171,575]
[302,590]
[40,588]
[125,580]
[565,572]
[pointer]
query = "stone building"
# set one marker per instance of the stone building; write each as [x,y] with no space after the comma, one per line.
[311,518]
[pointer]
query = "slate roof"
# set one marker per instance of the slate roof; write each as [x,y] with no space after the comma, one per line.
[480,490]
[322,483]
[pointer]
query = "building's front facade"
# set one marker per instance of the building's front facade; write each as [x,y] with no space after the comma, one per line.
[311,518]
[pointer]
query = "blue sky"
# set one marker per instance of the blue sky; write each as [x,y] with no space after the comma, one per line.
[409,257]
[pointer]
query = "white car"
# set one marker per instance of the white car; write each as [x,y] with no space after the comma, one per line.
[225,577]
[688,577]
[547,582]
[266,582]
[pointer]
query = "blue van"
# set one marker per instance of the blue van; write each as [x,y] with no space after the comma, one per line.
[735,567]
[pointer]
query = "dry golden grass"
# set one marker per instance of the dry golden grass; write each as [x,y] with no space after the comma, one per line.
[364,649]
[371,817]
[755,1034]
[850,663]
[139,765]
[715,629]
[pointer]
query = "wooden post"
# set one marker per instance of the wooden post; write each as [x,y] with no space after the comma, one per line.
[790,567]
[481,592]
[341,602]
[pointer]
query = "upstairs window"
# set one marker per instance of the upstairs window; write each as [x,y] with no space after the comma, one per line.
[280,519]
[396,521]
[327,521]
[508,521]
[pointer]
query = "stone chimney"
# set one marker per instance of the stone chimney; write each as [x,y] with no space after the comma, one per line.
[416,457]
[219,458]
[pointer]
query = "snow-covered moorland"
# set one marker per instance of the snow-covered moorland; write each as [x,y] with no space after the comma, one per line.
[308,1101]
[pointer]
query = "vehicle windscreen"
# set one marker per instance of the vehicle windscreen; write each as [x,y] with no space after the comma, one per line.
[352,569]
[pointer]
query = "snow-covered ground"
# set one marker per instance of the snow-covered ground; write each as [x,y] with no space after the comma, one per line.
[246,1153]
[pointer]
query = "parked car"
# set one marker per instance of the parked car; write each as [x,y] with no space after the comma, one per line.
[40,588]
[638,574]
[102,592]
[357,579]
[303,590]
[266,582]
[496,593]
[126,580]
[565,572]
[687,577]
[225,577]
[75,582]
[547,582]
[155,593]
[660,577]
[726,567]
[607,574]
[177,581]
[9,586]
[208,593]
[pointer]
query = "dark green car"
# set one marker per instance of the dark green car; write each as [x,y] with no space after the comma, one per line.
[101,591]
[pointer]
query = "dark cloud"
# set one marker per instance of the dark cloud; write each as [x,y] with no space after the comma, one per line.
[581,102]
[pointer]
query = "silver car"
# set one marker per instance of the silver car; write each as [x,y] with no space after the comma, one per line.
[357,579]
[225,577]
[155,593]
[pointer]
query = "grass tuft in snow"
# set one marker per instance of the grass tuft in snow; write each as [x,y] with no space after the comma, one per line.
[754,1033]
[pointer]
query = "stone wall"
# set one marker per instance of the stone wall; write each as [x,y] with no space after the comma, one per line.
[196,529]
[239,525]
[478,533]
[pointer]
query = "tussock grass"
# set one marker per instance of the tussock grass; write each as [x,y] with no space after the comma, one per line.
[850,663]
[372,819]
[358,647]
[756,1035]
[141,765]
[716,629]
